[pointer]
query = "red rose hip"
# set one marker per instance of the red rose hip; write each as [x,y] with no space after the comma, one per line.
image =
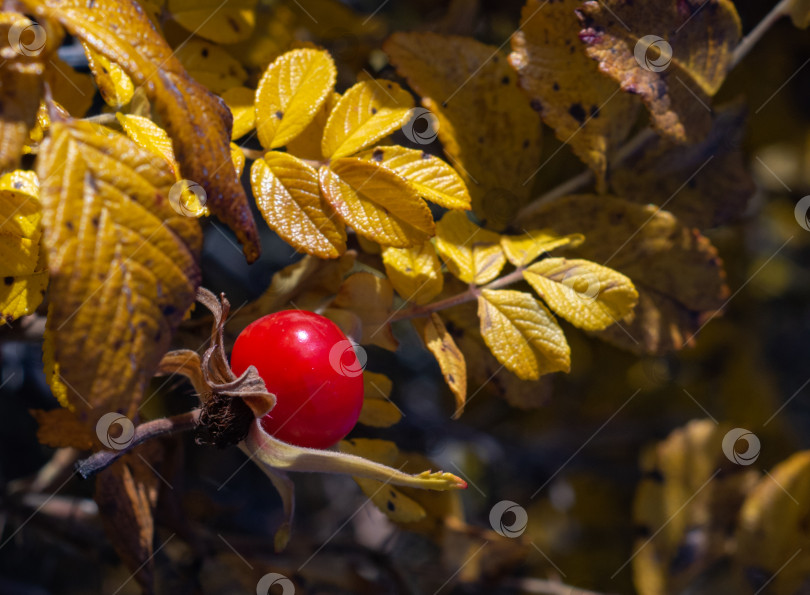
[312,368]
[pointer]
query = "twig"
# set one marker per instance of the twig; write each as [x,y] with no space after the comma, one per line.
[749,41]
[462,298]
[547,587]
[146,431]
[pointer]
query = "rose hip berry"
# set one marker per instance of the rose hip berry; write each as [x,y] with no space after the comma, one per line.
[312,368]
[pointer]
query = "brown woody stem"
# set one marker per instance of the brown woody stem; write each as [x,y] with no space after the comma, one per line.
[462,298]
[146,431]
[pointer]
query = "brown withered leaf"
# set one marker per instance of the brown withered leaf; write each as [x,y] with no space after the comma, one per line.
[586,108]
[676,270]
[674,54]
[63,427]
[489,132]
[717,182]
[126,494]
[198,122]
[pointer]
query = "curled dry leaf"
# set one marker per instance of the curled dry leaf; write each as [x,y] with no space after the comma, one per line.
[674,54]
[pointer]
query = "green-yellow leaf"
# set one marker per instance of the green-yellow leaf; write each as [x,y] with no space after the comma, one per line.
[522,334]
[288,196]
[588,295]
[414,272]
[472,253]
[450,358]
[149,136]
[367,112]
[523,249]
[221,22]
[433,179]
[290,93]
[376,202]
[240,101]
[123,264]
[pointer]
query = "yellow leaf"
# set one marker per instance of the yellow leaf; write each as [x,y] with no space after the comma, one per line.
[675,75]
[472,253]
[113,83]
[676,270]
[22,76]
[451,360]
[61,427]
[523,249]
[378,411]
[365,113]
[522,334]
[21,295]
[800,13]
[123,265]
[584,107]
[587,295]
[415,272]
[197,121]
[273,34]
[149,136]
[21,259]
[689,493]
[240,101]
[307,145]
[372,299]
[433,179]
[221,22]
[238,158]
[376,202]
[488,131]
[210,65]
[290,93]
[288,196]
[771,530]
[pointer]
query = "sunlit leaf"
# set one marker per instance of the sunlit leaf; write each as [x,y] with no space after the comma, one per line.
[289,198]
[378,410]
[365,113]
[197,121]
[523,249]
[587,295]
[472,254]
[414,272]
[290,93]
[240,101]
[522,334]
[376,202]
[307,145]
[450,358]
[113,83]
[123,264]
[433,179]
